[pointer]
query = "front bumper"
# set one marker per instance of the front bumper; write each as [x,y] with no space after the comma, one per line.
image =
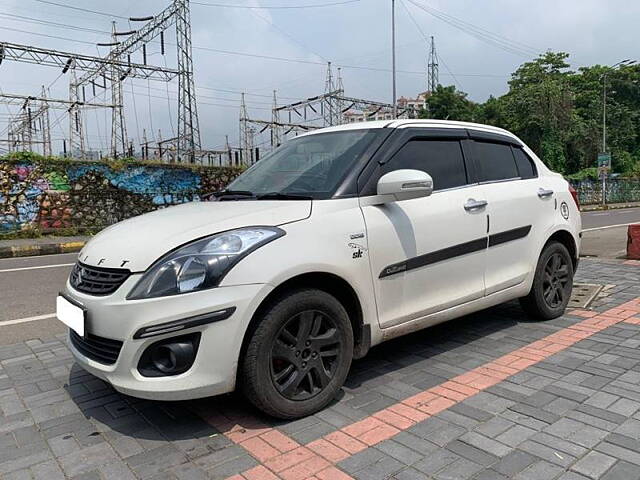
[214,369]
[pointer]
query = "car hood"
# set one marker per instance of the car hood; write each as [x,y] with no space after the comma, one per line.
[139,241]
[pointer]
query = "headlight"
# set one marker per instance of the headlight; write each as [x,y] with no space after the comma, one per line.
[201,264]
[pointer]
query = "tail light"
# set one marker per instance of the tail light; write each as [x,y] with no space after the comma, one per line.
[574,194]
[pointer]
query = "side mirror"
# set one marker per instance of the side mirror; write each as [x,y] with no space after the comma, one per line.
[404,185]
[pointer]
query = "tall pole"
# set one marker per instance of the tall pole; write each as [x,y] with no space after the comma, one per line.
[393,57]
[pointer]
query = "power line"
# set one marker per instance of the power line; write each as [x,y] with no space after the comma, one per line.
[80,9]
[480,33]
[276,7]
[269,57]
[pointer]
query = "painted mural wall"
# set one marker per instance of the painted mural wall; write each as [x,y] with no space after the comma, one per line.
[50,195]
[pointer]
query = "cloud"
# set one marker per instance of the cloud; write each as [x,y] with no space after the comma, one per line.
[357,34]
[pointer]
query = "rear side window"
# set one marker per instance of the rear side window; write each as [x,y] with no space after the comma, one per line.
[495,161]
[442,159]
[526,167]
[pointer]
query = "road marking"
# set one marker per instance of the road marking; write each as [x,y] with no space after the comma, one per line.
[36,268]
[26,320]
[608,226]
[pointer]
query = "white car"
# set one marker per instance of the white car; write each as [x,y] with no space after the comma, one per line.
[337,241]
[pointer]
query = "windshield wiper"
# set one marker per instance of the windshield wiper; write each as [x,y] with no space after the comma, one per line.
[282,196]
[234,193]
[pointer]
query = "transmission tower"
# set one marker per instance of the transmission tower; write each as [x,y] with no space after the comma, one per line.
[118,124]
[45,125]
[247,133]
[276,134]
[433,79]
[188,123]
[76,135]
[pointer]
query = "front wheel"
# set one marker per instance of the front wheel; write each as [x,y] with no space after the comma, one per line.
[552,283]
[299,354]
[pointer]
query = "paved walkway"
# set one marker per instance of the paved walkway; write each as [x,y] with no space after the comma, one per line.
[488,397]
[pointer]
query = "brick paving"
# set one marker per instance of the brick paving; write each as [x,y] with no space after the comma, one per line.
[490,396]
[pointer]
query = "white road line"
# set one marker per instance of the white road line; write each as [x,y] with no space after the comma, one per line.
[36,268]
[608,226]
[27,319]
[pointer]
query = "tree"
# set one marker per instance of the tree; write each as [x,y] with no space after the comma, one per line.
[447,103]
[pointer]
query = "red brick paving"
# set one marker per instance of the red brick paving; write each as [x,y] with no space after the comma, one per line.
[283,458]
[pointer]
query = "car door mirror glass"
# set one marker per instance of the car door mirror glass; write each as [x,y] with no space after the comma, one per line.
[404,184]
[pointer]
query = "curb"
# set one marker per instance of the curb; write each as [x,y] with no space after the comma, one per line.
[44,249]
[614,206]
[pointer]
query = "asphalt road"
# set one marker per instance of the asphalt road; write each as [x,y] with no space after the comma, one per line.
[610,217]
[28,286]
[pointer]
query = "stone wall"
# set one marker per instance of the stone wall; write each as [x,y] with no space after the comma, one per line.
[50,195]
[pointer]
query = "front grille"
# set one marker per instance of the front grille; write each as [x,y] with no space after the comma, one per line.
[97,280]
[100,349]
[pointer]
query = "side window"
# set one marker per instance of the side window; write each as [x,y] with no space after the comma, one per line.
[442,159]
[526,167]
[496,161]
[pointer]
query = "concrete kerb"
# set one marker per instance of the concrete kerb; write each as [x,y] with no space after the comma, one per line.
[15,251]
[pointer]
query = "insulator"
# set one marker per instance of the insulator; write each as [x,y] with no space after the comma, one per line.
[144,53]
[67,66]
[161,43]
[141,19]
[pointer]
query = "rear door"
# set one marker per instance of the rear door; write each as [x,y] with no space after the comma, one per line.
[426,254]
[520,210]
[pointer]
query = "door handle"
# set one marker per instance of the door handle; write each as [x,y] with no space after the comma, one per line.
[544,193]
[473,205]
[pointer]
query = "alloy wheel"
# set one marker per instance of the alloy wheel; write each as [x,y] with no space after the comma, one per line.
[305,355]
[556,281]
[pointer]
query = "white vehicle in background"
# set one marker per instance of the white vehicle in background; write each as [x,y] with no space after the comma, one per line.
[337,241]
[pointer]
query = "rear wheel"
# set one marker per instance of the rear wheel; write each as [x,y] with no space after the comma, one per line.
[552,283]
[299,355]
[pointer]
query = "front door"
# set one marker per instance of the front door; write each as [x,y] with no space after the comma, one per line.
[427,254]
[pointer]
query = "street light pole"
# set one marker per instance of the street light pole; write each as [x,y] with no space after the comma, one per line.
[604,121]
[393,57]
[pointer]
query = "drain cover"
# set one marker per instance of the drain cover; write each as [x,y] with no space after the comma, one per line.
[583,294]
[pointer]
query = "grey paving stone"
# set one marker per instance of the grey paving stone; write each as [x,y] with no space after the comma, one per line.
[593,464]
[399,451]
[547,453]
[436,461]
[472,453]
[460,469]
[486,444]
[515,435]
[361,459]
[622,471]
[494,426]
[231,467]
[619,452]
[379,470]
[540,470]
[410,474]
[514,463]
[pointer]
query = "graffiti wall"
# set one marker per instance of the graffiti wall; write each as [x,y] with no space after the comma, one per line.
[50,195]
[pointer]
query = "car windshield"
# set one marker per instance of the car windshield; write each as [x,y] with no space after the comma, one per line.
[310,166]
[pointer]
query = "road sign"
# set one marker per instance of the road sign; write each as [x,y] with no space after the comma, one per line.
[604,160]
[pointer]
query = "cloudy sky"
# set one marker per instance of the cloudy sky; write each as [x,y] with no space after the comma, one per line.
[480,42]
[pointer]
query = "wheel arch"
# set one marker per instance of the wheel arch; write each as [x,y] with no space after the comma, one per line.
[331,284]
[565,238]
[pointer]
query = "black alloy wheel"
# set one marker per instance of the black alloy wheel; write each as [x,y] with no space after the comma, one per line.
[556,280]
[298,353]
[552,283]
[305,355]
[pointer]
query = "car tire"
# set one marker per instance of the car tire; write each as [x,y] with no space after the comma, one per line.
[552,283]
[298,355]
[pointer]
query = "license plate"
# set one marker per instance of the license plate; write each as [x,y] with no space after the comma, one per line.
[71,315]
